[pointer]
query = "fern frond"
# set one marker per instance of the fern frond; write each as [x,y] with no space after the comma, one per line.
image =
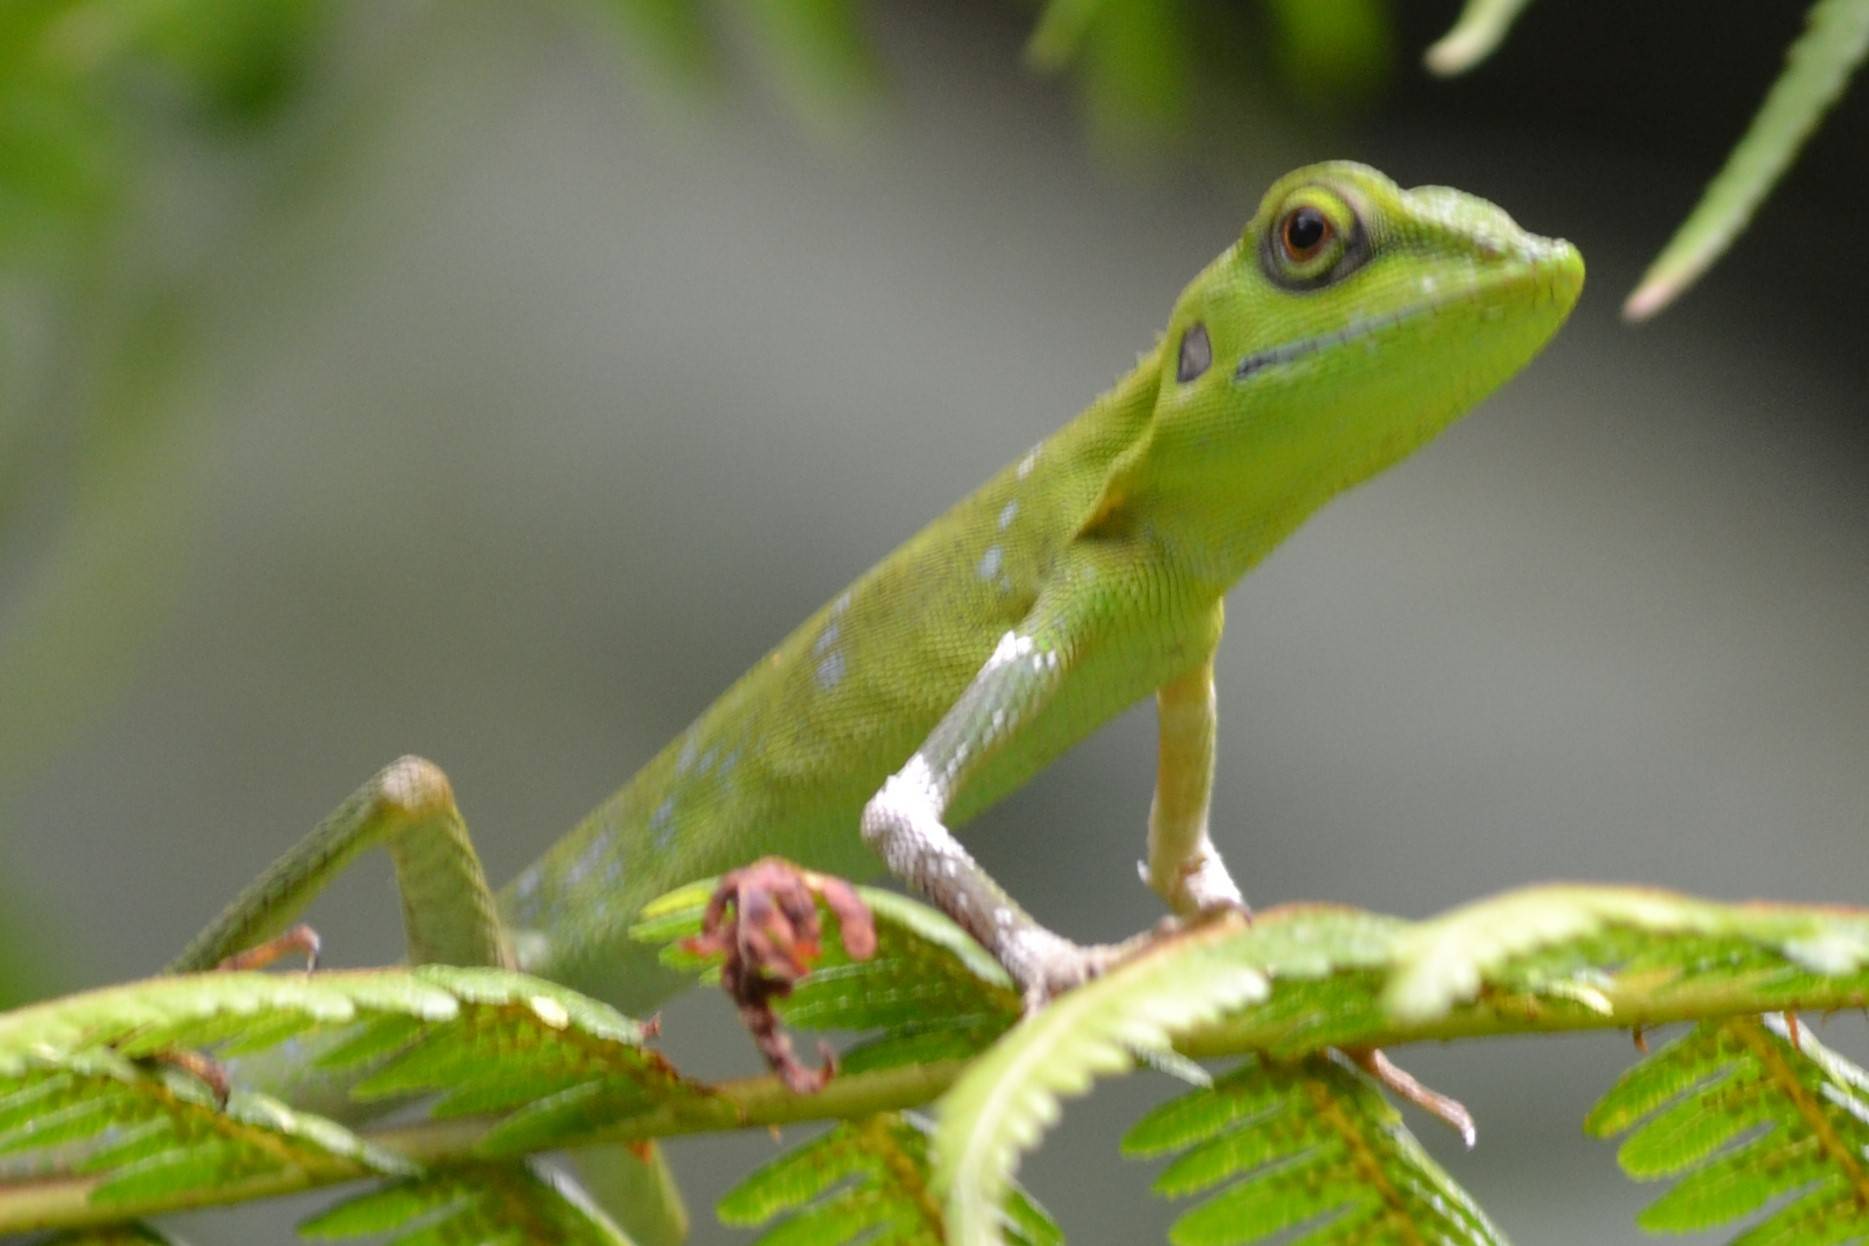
[1745,1113]
[521,1065]
[1581,942]
[1007,1097]
[1818,67]
[487,1203]
[867,1180]
[1309,1146]
[94,1077]
[145,1131]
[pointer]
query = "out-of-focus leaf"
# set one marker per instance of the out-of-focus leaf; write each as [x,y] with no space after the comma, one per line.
[673,37]
[1336,55]
[1059,33]
[72,634]
[1820,64]
[1136,75]
[1481,26]
[817,51]
[25,972]
[243,57]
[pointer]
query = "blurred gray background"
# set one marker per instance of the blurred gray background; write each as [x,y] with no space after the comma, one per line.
[537,399]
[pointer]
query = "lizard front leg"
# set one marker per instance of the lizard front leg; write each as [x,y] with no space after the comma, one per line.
[1183,867]
[905,821]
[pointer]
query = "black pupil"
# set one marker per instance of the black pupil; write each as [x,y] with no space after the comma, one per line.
[1305,230]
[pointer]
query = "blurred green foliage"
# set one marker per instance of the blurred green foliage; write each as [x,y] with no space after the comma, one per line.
[99,102]
[87,90]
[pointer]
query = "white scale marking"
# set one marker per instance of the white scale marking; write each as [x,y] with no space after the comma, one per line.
[989,562]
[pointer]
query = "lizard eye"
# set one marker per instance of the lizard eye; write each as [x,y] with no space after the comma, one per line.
[1304,233]
[1197,353]
[1313,239]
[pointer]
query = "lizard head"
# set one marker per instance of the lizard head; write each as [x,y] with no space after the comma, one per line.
[1351,322]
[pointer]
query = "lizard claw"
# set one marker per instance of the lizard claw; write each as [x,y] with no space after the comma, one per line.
[1449,1111]
[300,938]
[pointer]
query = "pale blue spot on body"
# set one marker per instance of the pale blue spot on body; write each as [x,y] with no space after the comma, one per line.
[662,823]
[589,860]
[831,670]
[1008,513]
[526,895]
[989,562]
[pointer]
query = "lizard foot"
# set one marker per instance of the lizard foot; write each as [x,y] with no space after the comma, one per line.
[204,1068]
[1044,965]
[198,1065]
[1210,914]
[763,920]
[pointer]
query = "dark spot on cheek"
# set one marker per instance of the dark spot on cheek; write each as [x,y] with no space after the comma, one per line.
[1197,353]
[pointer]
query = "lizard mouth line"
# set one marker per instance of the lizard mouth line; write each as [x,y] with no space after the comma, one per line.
[1287,352]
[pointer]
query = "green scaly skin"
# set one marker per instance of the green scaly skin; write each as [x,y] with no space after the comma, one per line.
[1112,542]
[1351,322]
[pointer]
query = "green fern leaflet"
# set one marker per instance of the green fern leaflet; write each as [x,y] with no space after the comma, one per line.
[1310,1145]
[1745,1112]
[865,1180]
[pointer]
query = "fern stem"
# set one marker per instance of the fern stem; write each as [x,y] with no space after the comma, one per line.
[1621,1006]
[746,1104]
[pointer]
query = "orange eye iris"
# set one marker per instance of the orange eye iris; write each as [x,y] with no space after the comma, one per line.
[1304,233]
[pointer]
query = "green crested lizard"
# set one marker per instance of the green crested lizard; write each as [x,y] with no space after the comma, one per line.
[1350,323]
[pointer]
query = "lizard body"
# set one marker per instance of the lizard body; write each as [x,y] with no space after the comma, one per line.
[1350,322]
[787,757]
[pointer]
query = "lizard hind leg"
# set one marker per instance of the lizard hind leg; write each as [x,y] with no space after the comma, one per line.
[408,808]
[450,917]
